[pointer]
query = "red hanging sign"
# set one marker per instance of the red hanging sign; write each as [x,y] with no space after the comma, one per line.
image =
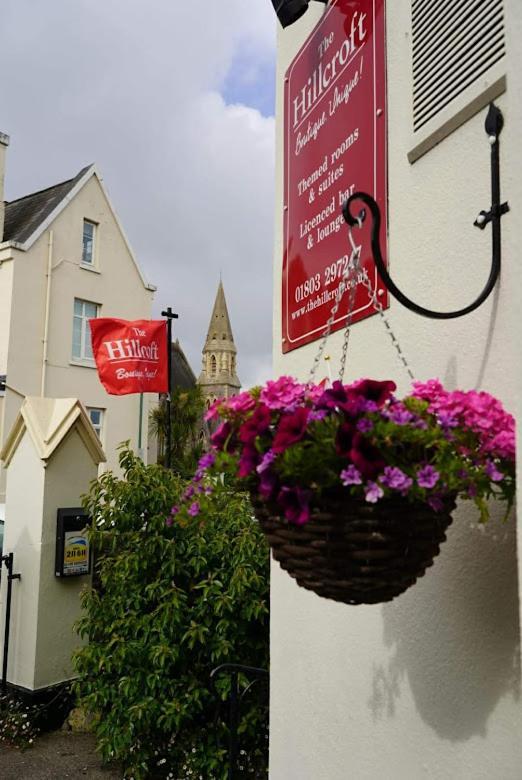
[335,145]
[131,357]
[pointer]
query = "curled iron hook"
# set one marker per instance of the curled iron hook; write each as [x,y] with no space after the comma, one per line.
[493,126]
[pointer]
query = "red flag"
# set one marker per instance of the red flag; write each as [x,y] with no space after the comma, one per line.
[131,357]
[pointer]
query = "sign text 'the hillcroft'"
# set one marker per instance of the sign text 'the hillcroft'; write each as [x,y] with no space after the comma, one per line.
[335,145]
[321,77]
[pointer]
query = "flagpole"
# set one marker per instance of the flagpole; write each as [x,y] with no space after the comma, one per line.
[169,314]
[140,429]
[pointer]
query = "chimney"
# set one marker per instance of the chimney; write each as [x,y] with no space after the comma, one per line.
[4,143]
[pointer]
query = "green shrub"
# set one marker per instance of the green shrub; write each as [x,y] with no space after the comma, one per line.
[171,604]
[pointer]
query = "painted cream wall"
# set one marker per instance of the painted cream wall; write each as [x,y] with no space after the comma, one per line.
[67,477]
[6,287]
[117,287]
[428,685]
[26,538]
[44,607]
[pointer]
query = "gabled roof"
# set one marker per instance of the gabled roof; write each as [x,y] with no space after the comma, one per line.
[182,374]
[24,215]
[48,421]
[28,217]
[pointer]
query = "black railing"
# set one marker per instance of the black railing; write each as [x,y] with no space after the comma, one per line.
[8,561]
[237,695]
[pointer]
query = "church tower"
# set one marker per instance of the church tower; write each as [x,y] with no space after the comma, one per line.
[218,378]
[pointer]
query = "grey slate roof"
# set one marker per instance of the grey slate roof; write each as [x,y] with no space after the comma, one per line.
[24,215]
[182,374]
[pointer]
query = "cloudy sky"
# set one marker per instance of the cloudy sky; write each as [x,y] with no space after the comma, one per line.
[174,101]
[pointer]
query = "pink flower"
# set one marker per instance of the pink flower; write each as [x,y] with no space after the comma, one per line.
[428,391]
[502,445]
[213,411]
[284,393]
[193,509]
[242,402]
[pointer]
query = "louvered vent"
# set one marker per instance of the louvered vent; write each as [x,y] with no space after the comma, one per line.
[454,43]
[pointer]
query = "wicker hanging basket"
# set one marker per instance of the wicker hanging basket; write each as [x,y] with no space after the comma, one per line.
[355,552]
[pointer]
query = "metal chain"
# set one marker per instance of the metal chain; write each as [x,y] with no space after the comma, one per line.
[353,266]
[378,305]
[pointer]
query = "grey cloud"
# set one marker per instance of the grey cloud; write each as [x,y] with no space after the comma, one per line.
[134,87]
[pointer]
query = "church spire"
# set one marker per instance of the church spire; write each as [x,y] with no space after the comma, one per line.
[219,329]
[218,378]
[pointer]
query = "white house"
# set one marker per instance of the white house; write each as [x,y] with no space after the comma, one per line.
[64,258]
[428,685]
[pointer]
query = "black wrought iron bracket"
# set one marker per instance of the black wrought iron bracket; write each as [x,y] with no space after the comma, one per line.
[493,125]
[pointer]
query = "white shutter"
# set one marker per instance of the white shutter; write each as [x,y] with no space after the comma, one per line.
[455,42]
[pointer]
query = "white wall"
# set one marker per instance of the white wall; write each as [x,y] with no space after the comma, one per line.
[428,685]
[117,287]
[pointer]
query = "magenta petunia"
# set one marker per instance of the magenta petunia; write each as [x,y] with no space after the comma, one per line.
[248,461]
[373,390]
[291,429]
[295,503]
[257,424]
[365,456]
[344,439]
[194,509]
[268,485]
[219,438]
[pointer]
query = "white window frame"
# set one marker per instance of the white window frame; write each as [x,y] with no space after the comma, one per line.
[92,262]
[84,358]
[100,427]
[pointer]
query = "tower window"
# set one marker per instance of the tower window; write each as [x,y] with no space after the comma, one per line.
[213,365]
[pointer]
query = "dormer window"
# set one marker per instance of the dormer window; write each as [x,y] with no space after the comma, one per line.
[89,239]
